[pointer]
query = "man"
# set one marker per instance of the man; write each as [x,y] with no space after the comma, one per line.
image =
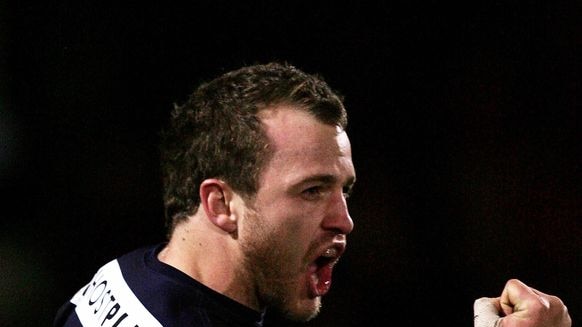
[257,168]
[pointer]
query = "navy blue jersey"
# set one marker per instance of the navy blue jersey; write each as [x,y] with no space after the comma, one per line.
[139,290]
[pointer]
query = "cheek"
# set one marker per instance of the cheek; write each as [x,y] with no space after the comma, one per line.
[298,236]
[296,223]
[292,224]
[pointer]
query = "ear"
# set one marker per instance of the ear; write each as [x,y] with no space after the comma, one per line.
[215,196]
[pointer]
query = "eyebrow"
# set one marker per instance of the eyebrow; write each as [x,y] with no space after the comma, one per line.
[327,179]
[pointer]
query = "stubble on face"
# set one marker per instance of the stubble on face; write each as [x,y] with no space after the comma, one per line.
[283,231]
[276,269]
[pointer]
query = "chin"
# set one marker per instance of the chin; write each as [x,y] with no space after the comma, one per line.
[303,310]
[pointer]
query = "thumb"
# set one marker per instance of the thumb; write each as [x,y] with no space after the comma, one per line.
[486,312]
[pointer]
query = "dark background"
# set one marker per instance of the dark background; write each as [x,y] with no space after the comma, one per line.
[464,120]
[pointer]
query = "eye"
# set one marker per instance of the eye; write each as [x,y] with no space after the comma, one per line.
[313,193]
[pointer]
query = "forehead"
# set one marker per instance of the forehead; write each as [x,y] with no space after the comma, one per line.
[303,145]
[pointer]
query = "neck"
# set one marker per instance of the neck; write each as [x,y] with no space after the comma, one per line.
[212,257]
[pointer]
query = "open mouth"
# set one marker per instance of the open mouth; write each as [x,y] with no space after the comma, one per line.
[321,268]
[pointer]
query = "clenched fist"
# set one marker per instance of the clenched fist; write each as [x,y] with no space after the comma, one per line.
[521,306]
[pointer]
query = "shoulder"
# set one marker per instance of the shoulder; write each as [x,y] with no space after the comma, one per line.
[108,300]
[132,290]
[139,290]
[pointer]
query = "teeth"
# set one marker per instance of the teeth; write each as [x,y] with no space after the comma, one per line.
[330,253]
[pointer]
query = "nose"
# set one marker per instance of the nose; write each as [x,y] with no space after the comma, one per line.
[338,217]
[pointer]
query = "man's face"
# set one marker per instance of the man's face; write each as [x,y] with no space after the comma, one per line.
[298,222]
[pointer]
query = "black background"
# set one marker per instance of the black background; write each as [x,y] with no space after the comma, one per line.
[463,120]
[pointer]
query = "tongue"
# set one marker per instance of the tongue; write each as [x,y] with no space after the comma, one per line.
[320,280]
